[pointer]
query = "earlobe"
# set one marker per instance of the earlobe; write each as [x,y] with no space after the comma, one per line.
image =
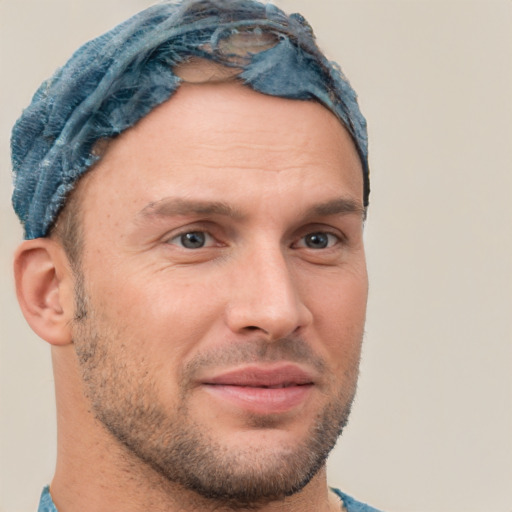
[44,286]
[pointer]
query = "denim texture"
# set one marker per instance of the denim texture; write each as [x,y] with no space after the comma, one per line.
[116,79]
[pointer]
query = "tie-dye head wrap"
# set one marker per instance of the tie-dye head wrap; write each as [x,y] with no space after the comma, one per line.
[116,79]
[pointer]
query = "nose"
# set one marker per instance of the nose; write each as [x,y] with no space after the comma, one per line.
[265,297]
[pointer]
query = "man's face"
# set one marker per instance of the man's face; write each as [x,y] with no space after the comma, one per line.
[223,288]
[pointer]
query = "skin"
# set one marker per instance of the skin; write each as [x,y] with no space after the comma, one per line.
[157,321]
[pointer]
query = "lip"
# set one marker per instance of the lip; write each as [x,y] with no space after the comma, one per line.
[262,389]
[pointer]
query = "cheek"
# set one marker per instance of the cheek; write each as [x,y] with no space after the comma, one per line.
[165,315]
[339,311]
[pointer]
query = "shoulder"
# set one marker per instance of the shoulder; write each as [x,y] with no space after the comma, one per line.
[46,503]
[351,505]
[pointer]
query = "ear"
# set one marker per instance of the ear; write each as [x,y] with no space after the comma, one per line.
[44,286]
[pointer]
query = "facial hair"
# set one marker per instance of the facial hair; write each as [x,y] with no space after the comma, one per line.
[124,397]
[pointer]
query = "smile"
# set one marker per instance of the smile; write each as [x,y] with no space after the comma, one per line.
[262,390]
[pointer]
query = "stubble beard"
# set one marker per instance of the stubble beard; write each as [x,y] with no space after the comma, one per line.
[183,452]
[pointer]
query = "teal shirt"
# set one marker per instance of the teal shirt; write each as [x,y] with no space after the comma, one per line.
[46,504]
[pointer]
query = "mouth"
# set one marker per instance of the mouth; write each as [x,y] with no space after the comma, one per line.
[262,390]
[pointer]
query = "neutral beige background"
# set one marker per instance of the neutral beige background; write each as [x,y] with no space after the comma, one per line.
[432,428]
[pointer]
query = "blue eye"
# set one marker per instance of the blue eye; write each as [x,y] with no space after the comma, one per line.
[192,239]
[319,240]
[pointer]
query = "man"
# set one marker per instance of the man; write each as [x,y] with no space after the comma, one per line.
[193,186]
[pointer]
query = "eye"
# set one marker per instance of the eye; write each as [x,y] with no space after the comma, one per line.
[193,240]
[318,240]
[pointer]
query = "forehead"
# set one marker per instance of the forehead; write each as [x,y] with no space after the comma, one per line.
[214,133]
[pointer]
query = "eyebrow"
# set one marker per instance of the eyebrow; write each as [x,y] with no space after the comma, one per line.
[171,206]
[337,206]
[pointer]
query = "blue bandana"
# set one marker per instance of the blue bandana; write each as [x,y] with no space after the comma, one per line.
[116,79]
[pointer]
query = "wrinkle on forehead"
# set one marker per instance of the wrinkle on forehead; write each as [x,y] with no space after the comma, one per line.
[214,141]
[227,117]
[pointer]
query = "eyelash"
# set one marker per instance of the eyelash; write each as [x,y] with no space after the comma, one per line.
[333,239]
[180,236]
